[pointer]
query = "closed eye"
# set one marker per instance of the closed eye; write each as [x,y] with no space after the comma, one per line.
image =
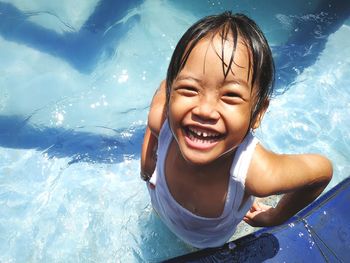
[232,97]
[231,94]
[187,90]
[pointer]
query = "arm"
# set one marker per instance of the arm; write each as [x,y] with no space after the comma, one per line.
[156,118]
[148,154]
[301,178]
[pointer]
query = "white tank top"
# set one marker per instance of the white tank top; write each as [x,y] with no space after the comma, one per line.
[202,232]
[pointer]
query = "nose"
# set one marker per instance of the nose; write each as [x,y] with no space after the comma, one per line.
[206,109]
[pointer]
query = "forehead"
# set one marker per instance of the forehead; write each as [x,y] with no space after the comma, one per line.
[231,56]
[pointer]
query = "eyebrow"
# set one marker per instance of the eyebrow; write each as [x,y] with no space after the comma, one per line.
[237,81]
[226,82]
[179,77]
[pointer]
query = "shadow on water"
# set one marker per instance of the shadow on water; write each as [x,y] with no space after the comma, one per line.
[247,249]
[81,49]
[16,132]
[101,31]
[309,38]
[98,37]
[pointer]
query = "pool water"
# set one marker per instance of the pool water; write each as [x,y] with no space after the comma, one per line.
[76,80]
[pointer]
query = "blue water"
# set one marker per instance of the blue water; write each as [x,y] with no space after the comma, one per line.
[75,84]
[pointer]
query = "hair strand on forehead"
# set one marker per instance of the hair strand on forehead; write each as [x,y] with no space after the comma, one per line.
[233,30]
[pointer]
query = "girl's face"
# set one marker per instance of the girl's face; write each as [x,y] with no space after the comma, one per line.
[209,114]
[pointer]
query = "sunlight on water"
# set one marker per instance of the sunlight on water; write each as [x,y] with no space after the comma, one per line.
[314,114]
[59,16]
[71,135]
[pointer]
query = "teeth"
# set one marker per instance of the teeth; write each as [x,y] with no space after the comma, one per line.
[203,134]
[206,141]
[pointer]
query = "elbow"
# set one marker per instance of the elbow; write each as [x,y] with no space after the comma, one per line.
[327,171]
[325,174]
[330,171]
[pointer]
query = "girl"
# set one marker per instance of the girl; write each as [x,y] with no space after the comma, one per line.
[201,160]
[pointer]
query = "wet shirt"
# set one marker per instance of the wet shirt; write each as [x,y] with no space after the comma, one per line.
[198,231]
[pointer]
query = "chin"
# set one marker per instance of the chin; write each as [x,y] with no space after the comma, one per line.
[199,158]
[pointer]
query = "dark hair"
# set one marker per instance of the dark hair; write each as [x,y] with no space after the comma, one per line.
[261,63]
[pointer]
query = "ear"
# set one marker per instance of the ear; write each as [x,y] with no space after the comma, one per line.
[256,123]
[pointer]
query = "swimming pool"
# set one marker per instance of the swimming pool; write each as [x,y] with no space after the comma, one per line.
[75,84]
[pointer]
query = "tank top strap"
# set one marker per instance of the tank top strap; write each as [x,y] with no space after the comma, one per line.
[238,173]
[243,157]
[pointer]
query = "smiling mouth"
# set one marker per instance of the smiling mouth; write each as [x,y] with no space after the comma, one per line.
[200,138]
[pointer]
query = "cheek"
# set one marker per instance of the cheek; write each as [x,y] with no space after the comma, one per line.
[175,113]
[238,119]
[178,106]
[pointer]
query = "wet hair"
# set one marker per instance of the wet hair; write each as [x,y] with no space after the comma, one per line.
[226,24]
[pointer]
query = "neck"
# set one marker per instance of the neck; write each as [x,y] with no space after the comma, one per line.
[210,171]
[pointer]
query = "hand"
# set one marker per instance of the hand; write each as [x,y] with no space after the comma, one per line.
[260,215]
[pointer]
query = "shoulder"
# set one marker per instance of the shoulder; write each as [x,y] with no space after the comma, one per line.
[271,173]
[157,113]
[258,181]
